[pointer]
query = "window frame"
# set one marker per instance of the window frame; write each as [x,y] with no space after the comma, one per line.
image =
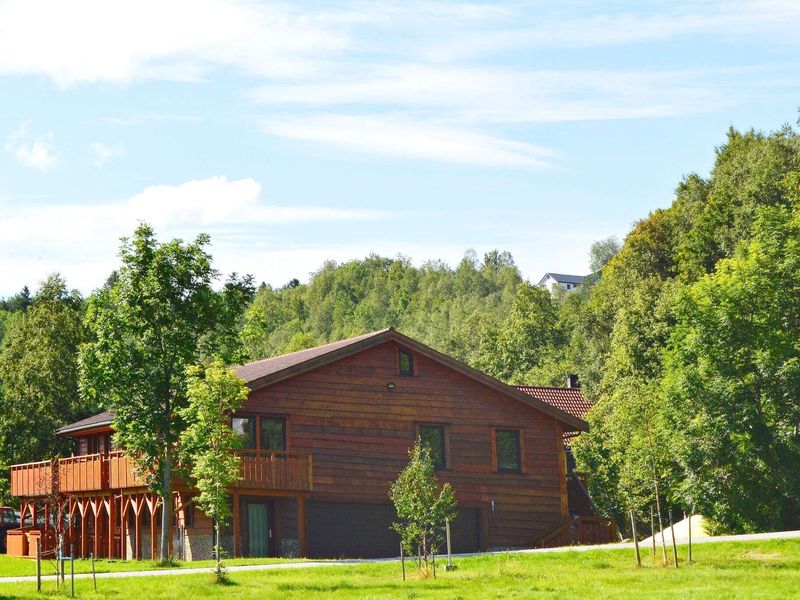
[445,441]
[520,449]
[257,430]
[412,361]
[285,431]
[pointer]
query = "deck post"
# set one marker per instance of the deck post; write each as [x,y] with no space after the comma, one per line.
[83,529]
[98,523]
[112,513]
[301,525]
[123,525]
[70,526]
[137,551]
[236,524]
[153,533]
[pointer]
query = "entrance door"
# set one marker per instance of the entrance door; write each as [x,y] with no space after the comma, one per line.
[258,529]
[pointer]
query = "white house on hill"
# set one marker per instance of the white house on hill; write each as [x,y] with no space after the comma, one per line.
[566,282]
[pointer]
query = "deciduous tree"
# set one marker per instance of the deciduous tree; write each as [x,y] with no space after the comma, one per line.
[157,318]
[214,393]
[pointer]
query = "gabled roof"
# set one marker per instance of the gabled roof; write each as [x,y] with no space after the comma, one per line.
[570,400]
[562,278]
[102,419]
[256,372]
[269,371]
[266,372]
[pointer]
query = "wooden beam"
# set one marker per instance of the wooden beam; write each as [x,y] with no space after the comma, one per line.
[97,525]
[112,513]
[124,504]
[137,551]
[82,508]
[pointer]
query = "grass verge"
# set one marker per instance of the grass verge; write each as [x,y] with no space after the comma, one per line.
[764,569]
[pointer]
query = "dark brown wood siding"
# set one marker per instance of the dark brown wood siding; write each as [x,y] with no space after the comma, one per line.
[359,431]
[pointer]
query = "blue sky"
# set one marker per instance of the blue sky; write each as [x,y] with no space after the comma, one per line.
[295,133]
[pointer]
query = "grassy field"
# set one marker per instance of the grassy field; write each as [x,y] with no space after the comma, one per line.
[11,566]
[768,569]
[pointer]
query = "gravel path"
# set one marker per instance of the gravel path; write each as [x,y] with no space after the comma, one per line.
[778,535]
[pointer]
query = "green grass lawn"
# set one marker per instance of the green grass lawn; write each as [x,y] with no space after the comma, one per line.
[12,566]
[768,569]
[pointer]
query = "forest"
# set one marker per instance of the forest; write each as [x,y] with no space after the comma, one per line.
[686,339]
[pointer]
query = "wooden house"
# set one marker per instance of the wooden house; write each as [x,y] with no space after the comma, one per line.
[326,430]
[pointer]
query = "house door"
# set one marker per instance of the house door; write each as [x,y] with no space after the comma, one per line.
[258,530]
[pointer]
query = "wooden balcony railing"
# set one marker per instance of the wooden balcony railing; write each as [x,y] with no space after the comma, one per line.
[275,470]
[33,479]
[289,471]
[121,475]
[86,473]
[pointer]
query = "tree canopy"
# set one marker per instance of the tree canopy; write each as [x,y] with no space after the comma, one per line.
[159,316]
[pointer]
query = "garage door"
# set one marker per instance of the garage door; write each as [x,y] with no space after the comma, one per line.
[344,529]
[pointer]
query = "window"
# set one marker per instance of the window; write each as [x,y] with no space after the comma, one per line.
[432,436]
[245,427]
[273,433]
[507,448]
[406,362]
[93,445]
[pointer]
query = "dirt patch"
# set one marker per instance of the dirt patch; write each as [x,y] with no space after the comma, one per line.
[762,555]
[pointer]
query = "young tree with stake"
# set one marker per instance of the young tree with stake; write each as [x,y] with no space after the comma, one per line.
[422,506]
[207,444]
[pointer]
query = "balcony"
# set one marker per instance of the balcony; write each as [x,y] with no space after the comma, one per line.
[121,474]
[289,471]
[33,479]
[87,473]
[285,471]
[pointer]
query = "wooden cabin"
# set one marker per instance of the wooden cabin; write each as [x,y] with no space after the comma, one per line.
[326,430]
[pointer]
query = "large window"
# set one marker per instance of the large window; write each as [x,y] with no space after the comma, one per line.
[261,433]
[273,433]
[406,363]
[432,436]
[507,446]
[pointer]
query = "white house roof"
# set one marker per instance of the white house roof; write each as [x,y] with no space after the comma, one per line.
[562,278]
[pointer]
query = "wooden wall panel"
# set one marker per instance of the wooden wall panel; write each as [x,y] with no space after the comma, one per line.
[359,432]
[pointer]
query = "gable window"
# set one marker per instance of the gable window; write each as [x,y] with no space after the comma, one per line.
[273,433]
[406,362]
[432,436]
[245,427]
[508,450]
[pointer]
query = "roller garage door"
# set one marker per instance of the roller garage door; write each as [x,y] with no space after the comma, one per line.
[344,529]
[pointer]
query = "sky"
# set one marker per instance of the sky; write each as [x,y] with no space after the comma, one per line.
[295,133]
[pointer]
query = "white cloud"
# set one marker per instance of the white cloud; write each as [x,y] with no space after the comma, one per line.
[34,151]
[81,240]
[120,42]
[493,95]
[103,153]
[733,19]
[204,204]
[409,138]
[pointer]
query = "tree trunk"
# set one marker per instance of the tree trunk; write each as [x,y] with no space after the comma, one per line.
[166,507]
